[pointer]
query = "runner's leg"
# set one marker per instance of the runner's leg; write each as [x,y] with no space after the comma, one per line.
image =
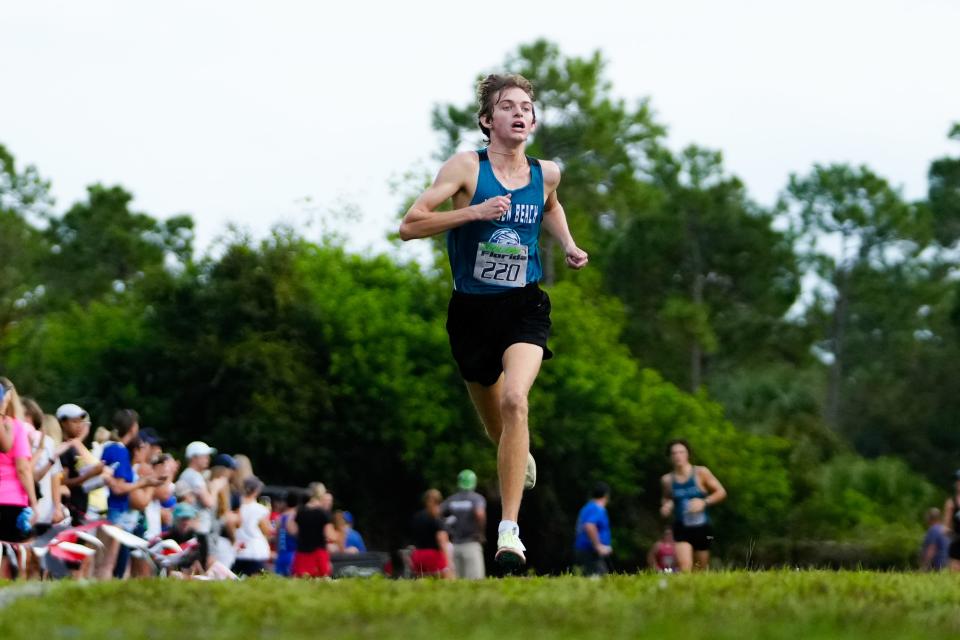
[521,363]
[684,551]
[487,402]
[701,560]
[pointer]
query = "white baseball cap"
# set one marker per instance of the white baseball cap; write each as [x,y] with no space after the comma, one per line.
[198,448]
[70,411]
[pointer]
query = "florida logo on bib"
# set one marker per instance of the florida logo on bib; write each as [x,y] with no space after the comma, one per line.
[502,260]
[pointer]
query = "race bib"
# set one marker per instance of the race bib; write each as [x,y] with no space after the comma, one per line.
[504,265]
[697,519]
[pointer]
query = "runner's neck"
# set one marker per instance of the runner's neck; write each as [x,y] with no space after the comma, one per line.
[684,471]
[509,161]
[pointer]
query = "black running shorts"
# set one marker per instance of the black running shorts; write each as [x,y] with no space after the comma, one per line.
[482,326]
[700,538]
[9,532]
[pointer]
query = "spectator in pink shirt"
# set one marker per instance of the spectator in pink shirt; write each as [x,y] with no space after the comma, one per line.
[18,499]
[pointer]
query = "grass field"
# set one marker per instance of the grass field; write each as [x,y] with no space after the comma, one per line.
[716,606]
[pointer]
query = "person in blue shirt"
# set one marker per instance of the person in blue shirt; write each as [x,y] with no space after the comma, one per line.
[498,319]
[112,559]
[352,539]
[934,554]
[591,547]
[286,541]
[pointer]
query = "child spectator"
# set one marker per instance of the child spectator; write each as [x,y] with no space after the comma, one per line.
[253,547]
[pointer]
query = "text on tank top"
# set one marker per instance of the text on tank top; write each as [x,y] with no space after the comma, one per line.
[493,256]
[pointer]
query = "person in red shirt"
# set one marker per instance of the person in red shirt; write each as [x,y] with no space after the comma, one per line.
[662,556]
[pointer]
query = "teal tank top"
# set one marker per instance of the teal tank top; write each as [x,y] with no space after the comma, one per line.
[493,256]
[684,492]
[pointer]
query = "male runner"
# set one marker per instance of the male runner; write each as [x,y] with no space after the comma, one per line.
[499,319]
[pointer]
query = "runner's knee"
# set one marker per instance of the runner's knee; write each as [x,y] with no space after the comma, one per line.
[514,404]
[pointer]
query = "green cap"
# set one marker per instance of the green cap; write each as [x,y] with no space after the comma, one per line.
[467,480]
[184,511]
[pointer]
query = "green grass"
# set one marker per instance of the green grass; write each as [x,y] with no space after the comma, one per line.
[717,606]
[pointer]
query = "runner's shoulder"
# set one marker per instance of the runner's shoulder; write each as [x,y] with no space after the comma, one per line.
[551,173]
[462,162]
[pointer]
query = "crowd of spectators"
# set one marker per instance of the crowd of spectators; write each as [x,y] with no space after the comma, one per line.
[55,477]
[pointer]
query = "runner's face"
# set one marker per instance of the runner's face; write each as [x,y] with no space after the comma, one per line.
[679,455]
[512,116]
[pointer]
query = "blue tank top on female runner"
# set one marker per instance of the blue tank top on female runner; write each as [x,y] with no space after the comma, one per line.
[493,256]
[683,492]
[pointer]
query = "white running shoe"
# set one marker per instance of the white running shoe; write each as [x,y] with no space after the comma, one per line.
[510,551]
[530,478]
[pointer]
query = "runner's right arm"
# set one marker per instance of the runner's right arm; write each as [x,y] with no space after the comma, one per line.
[423,220]
[666,499]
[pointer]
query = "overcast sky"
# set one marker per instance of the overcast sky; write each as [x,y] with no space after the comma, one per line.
[241,111]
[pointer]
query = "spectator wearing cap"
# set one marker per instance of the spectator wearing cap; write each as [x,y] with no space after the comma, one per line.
[224,465]
[153,440]
[183,531]
[315,534]
[198,460]
[226,513]
[465,514]
[18,498]
[432,549]
[352,539]
[253,534]
[82,472]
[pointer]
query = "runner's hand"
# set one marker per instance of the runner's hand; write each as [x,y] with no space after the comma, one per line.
[604,550]
[666,509]
[576,257]
[492,208]
[696,505]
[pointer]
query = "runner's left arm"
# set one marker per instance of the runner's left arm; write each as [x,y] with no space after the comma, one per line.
[715,491]
[555,219]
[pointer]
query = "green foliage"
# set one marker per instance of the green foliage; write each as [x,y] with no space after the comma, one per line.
[24,199]
[100,246]
[943,194]
[854,497]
